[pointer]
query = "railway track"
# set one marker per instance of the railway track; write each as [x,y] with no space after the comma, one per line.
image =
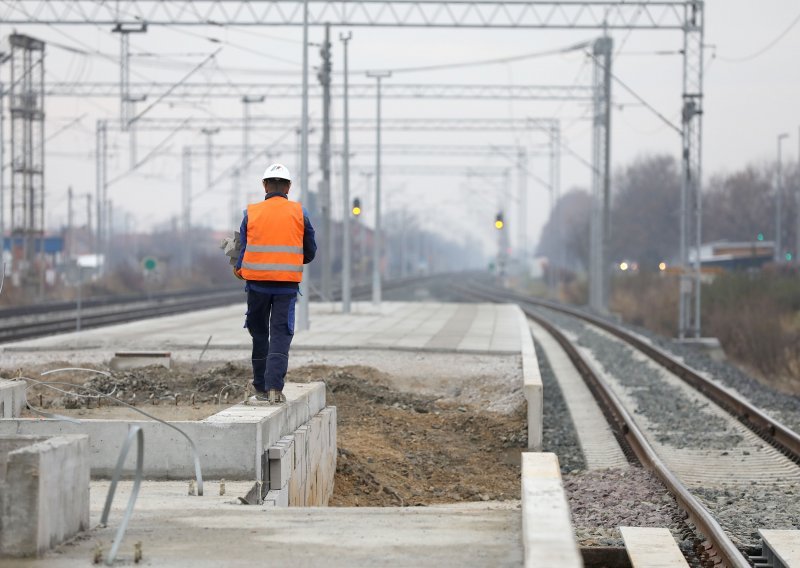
[697,469]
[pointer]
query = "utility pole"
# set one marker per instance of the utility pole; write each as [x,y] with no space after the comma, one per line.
[70,226]
[522,230]
[127,103]
[100,184]
[779,201]
[797,210]
[376,240]
[236,197]
[324,76]
[601,178]
[89,217]
[186,199]
[347,259]
[555,191]
[209,132]
[302,323]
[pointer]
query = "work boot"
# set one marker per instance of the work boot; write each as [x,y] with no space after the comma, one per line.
[275,396]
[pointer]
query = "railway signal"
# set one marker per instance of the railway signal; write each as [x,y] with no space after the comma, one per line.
[498,221]
[356,207]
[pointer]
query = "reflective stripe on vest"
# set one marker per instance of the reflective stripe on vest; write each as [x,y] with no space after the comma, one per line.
[274,249]
[287,267]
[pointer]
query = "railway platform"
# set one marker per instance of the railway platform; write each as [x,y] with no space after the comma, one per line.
[416,343]
[410,326]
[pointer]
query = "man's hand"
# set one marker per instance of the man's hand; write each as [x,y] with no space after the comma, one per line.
[238,273]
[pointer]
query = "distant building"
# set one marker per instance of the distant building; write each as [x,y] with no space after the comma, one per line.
[738,255]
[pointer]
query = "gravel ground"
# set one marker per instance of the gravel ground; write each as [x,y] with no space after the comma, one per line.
[783,406]
[679,421]
[601,501]
[683,423]
[558,434]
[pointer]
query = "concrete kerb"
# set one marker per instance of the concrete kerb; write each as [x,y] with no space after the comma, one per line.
[531,385]
[547,535]
[231,443]
[44,492]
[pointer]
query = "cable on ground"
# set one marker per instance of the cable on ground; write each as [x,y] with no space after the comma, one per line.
[133,432]
[97,394]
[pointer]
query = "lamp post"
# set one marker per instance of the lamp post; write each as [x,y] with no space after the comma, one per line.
[376,240]
[779,200]
[346,252]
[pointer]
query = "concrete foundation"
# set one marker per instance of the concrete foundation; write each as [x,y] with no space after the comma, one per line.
[124,360]
[231,443]
[44,492]
[12,398]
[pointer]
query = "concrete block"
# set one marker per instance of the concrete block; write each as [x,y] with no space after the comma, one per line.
[780,548]
[281,463]
[124,360]
[652,547]
[277,498]
[44,492]
[547,535]
[231,443]
[531,384]
[12,398]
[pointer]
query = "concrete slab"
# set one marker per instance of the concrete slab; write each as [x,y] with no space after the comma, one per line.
[652,547]
[245,536]
[600,448]
[780,548]
[44,492]
[548,538]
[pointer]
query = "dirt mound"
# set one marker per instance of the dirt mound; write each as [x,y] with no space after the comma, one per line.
[397,449]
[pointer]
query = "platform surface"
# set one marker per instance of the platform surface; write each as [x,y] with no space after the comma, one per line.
[413,326]
[181,531]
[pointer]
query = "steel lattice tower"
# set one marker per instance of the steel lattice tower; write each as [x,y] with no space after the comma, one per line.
[27,141]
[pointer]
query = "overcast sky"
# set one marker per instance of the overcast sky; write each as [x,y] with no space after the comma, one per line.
[748,103]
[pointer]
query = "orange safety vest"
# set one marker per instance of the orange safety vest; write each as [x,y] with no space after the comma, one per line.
[274,249]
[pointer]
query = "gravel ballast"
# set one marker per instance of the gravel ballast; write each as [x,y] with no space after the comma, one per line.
[678,420]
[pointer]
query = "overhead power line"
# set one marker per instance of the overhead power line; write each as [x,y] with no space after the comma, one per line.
[764,49]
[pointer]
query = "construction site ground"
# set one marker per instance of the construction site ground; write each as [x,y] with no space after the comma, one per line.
[422,431]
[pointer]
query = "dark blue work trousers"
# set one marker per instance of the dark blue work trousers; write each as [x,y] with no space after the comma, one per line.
[270,321]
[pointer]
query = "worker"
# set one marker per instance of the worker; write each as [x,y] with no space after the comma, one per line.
[277,240]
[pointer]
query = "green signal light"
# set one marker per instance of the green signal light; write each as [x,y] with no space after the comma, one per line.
[788,257]
[760,236]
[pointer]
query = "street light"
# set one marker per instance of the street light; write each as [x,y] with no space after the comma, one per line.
[346,253]
[779,201]
[376,240]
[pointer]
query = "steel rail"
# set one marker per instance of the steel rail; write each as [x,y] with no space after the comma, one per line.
[766,426]
[719,548]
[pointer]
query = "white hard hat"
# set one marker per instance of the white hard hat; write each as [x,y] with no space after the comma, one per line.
[277,171]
